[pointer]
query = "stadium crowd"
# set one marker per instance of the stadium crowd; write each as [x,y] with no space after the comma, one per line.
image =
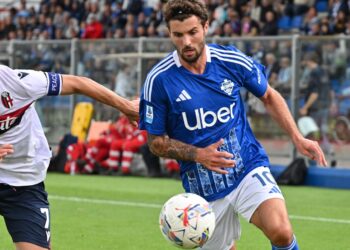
[67,19]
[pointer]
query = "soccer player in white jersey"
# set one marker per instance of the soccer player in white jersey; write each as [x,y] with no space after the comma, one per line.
[191,107]
[24,150]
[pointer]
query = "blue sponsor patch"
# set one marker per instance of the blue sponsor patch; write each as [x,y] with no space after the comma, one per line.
[55,82]
[149,114]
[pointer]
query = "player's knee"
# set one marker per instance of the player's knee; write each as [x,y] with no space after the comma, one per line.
[281,235]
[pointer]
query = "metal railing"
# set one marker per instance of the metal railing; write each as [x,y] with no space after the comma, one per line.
[122,65]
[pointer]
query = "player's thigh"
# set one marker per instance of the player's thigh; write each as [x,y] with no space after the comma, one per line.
[257,187]
[227,227]
[261,202]
[272,218]
[26,214]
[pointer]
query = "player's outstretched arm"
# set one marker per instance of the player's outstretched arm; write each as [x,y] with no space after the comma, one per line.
[83,85]
[278,109]
[210,157]
[5,150]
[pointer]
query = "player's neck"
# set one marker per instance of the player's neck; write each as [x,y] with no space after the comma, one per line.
[196,67]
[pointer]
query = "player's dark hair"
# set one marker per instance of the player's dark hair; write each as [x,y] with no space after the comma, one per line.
[183,9]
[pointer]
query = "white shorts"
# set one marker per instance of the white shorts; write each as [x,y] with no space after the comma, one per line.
[257,187]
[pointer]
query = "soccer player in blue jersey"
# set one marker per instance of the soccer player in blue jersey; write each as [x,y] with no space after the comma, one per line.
[191,107]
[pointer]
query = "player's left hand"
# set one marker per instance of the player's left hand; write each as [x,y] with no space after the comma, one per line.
[312,150]
[215,160]
[5,150]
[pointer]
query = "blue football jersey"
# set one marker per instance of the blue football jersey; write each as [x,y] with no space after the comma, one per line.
[200,109]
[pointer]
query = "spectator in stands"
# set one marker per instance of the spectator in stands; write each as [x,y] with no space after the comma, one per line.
[93,28]
[334,57]
[272,68]
[124,81]
[337,5]
[284,77]
[9,27]
[310,17]
[270,27]
[220,12]
[325,28]
[347,31]
[266,6]
[49,28]
[249,27]
[58,18]
[318,99]
[72,30]
[234,21]
[77,11]
[302,6]
[339,24]
[315,28]
[106,16]
[151,31]
[254,9]
[117,17]
[133,8]
[227,31]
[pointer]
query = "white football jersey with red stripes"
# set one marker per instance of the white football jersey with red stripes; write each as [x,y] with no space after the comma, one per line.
[20,124]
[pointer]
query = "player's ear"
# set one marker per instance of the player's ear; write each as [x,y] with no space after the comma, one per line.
[206,27]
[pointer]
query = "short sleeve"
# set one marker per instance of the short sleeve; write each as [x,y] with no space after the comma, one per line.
[255,80]
[153,108]
[37,84]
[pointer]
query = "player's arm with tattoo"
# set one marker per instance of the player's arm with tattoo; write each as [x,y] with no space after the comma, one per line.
[210,156]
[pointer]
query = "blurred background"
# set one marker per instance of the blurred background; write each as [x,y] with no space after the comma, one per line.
[117,42]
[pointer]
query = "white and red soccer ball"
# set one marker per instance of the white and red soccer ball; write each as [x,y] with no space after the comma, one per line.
[187,220]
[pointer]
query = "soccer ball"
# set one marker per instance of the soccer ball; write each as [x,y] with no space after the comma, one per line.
[187,220]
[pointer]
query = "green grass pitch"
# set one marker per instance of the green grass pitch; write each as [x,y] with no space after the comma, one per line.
[112,213]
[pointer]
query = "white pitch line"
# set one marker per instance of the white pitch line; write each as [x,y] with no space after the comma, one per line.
[110,202]
[150,205]
[298,217]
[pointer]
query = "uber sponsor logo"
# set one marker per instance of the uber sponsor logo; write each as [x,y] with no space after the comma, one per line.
[207,119]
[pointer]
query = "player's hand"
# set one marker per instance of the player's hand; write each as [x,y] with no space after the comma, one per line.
[133,111]
[312,150]
[5,150]
[213,159]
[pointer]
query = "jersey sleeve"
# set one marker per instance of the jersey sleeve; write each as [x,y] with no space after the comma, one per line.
[255,80]
[153,108]
[37,84]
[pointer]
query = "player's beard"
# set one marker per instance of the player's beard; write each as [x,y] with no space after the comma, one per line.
[197,53]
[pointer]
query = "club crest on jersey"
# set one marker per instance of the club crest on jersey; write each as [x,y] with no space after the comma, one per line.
[227,86]
[6,99]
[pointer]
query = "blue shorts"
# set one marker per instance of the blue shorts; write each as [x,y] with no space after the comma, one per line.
[26,213]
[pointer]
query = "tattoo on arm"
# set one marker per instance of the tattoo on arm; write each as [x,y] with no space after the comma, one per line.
[165,147]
